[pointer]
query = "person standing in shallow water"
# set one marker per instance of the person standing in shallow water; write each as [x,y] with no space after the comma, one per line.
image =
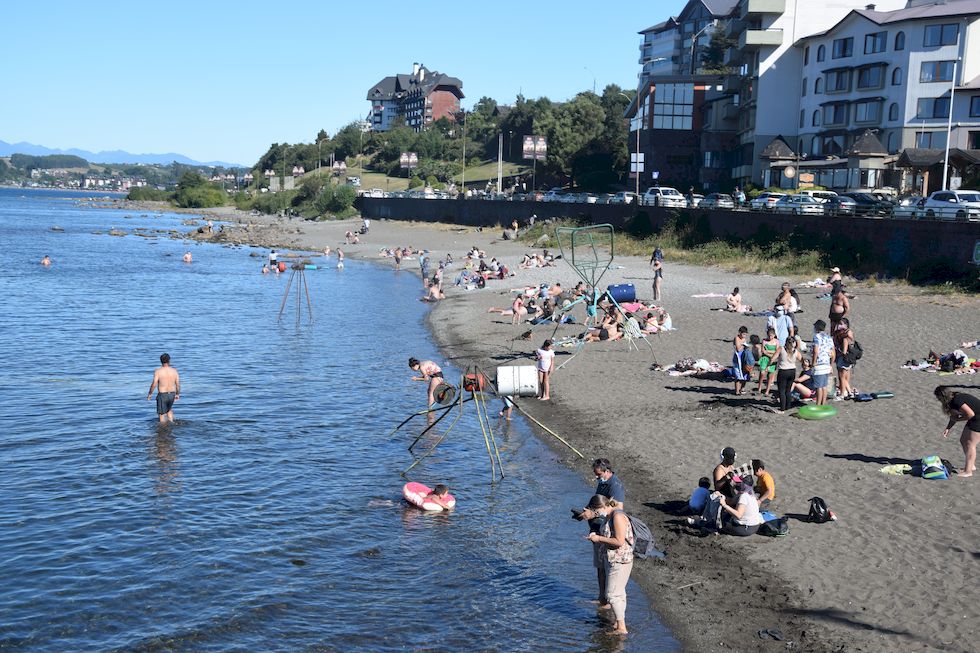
[166,381]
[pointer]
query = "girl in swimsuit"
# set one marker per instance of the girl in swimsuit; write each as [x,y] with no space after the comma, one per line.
[658,277]
[430,372]
[767,362]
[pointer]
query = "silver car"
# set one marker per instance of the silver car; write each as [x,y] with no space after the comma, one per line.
[908,207]
[717,201]
[798,205]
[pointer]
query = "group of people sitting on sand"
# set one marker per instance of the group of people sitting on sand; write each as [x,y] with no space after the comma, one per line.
[532,260]
[738,499]
[954,362]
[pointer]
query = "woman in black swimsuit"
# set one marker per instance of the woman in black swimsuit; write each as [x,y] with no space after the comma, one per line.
[961,406]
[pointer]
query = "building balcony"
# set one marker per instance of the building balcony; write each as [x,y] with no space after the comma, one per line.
[761,7]
[753,39]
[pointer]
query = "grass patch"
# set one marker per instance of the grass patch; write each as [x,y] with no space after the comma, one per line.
[487,171]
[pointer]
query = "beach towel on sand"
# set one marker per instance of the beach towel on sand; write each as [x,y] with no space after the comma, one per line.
[896,470]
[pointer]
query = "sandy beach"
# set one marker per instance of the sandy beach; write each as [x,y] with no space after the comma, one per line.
[895,572]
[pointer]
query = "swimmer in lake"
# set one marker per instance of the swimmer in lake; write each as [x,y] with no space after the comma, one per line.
[340,259]
[430,372]
[439,495]
[46,261]
[188,258]
[265,269]
[166,381]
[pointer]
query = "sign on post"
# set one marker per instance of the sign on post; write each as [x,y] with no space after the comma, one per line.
[535,147]
[409,160]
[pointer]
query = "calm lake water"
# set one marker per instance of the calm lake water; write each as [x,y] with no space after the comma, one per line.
[269,517]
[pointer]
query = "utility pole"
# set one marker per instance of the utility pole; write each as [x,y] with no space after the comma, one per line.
[949,126]
[500,162]
[463,113]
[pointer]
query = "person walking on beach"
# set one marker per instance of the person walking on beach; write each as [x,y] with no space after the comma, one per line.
[961,406]
[546,363]
[822,359]
[166,382]
[430,372]
[608,485]
[615,539]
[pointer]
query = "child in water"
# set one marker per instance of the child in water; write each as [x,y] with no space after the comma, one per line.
[439,495]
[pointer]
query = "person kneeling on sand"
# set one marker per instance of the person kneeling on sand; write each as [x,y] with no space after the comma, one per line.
[765,486]
[438,495]
[699,498]
[745,518]
[733,302]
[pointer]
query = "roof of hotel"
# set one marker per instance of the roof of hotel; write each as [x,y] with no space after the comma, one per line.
[395,86]
[948,9]
[868,143]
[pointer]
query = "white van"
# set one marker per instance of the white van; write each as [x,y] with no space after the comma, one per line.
[664,196]
[819,195]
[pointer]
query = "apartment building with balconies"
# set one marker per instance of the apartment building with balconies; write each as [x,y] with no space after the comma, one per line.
[893,72]
[767,66]
[420,98]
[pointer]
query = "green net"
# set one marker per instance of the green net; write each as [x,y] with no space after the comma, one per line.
[589,250]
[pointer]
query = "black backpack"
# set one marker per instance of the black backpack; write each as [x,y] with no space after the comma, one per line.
[642,539]
[819,512]
[855,352]
[775,527]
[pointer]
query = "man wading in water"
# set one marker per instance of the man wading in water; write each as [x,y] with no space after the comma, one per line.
[167,383]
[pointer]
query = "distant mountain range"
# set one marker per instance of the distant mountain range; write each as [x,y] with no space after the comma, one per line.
[110,156]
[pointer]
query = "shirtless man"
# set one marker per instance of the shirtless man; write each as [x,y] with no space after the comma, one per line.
[430,372]
[188,258]
[166,381]
[46,261]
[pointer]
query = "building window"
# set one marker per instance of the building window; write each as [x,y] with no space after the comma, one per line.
[929,107]
[867,112]
[802,118]
[816,118]
[974,140]
[806,56]
[923,139]
[936,71]
[936,35]
[892,142]
[900,41]
[821,53]
[804,86]
[832,145]
[673,106]
[871,77]
[875,42]
[835,114]
[818,86]
[843,47]
[893,111]
[838,81]
[897,77]
[975,106]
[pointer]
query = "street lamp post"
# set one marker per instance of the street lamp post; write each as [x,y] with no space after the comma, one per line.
[949,125]
[637,153]
[463,114]
[694,44]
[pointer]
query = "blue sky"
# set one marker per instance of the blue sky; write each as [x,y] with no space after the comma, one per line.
[223,80]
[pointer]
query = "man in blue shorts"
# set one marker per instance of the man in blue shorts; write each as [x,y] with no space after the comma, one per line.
[822,359]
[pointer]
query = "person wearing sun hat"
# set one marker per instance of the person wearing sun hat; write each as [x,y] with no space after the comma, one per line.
[834,275]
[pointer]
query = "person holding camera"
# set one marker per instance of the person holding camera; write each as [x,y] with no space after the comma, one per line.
[609,486]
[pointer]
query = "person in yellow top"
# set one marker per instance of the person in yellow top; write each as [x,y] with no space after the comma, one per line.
[765,486]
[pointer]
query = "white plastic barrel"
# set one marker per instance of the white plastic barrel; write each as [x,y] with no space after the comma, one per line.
[517,381]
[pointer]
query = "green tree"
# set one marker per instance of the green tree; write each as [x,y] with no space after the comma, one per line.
[713,57]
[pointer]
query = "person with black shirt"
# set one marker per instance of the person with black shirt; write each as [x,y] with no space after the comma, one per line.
[609,486]
[961,406]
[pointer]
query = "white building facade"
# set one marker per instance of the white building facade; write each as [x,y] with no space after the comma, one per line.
[892,72]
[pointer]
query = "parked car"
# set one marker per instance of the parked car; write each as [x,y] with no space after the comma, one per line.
[765,201]
[589,198]
[664,196]
[375,192]
[353,181]
[952,205]
[819,195]
[695,202]
[840,205]
[623,197]
[798,205]
[553,195]
[717,201]
[908,207]
[605,198]
[868,204]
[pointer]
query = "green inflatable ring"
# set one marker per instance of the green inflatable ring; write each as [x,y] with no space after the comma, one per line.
[817,412]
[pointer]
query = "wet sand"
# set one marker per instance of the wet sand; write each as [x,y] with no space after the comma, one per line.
[896,572]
